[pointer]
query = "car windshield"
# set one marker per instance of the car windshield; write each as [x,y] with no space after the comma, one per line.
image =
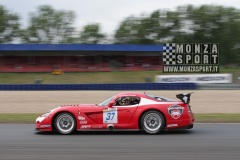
[106,102]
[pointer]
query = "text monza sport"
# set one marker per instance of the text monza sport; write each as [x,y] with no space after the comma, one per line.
[196,53]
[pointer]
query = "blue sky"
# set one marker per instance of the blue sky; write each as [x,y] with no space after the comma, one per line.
[109,13]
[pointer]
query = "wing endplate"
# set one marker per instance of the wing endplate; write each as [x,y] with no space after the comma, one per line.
[185,98]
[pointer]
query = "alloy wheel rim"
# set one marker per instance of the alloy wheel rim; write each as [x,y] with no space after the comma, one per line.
[65,123]
[152,122]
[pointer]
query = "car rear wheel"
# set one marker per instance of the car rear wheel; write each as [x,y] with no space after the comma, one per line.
[65,123]
[152,122]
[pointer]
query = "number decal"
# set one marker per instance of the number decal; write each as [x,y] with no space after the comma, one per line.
[110,115]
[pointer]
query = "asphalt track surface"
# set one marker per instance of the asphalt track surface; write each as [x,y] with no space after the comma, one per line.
[204,141]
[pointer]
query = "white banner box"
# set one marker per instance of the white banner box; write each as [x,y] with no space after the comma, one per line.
[194,78]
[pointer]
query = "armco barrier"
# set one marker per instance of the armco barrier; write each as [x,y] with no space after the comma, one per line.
[114,86]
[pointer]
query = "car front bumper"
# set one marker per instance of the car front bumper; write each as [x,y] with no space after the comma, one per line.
[43,124]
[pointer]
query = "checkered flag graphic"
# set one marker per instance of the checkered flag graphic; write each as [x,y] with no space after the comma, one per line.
[169,56]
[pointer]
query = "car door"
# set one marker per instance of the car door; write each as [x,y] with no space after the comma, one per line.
[120,113]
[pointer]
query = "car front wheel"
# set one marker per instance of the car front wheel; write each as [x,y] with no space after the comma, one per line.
[152,122]
[65,123]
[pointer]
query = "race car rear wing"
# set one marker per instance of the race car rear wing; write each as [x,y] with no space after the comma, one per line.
[185,98]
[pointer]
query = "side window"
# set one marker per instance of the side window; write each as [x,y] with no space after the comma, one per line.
[127,100]
[135,100]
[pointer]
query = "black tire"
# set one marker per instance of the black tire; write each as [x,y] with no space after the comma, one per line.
[65,123]
[152,122]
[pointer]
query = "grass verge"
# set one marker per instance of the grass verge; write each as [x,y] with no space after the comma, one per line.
[92,77]
[18,117]
[200,118]
[217,118]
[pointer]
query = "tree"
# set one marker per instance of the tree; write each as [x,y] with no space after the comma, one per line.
[50,26]
[212,24]
[187,24]
[129,31]
[9,26]
[91,34]
[133,30]
[162,26]
[153,29]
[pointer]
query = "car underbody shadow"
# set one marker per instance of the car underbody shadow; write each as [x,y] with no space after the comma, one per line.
[165,132]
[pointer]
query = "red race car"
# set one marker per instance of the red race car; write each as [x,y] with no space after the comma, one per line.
[125,111]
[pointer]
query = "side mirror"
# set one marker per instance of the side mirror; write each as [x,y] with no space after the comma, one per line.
[111,104]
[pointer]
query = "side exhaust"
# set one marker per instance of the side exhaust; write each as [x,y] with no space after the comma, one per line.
[110,127]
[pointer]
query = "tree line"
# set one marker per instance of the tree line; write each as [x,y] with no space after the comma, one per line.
[186,24]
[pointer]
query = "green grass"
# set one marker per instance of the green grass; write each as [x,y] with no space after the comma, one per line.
[91,77]
[18,118]
[76,78]
[218,118]
[204,118]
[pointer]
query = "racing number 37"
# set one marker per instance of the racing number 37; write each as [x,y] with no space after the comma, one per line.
[110,116]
